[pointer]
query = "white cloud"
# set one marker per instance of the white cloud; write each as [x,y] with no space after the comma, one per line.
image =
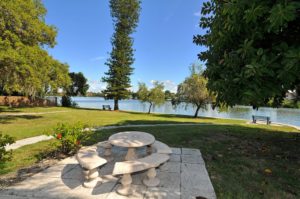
[96,86]
[153,81]
[97,58]
[197,14]
[168,84]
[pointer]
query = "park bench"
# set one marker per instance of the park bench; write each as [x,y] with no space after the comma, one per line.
[147,163]
[261,118]
[159,147]
[106,107]
[89,160]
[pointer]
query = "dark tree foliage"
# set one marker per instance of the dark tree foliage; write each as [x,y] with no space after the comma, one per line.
[79,85]
[125,14]
[253,49]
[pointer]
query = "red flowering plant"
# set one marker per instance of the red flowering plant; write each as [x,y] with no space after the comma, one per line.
[70,137]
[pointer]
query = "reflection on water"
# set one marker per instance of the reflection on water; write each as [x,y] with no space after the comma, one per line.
[282,115]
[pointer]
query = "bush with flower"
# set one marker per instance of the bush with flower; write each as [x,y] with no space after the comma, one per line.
[70,137]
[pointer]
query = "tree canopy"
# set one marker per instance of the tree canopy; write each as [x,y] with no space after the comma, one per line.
[154,96]
[25,66]
[253,49]
[125,14]
[79,85]
[169,95]
[193,91]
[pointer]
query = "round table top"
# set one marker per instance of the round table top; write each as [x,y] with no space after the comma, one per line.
[131,139]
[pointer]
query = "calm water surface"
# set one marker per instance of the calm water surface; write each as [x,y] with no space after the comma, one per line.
[282,115]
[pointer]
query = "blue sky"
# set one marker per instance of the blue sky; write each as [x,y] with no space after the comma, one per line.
[162,41]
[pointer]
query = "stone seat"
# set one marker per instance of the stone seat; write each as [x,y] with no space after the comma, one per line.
[147,163]
[104,144]
[89,160]
[160,147]
[107,149]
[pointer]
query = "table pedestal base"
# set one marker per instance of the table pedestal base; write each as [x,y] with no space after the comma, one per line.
[91,178]
[125,188]
[151,180]
[131,155]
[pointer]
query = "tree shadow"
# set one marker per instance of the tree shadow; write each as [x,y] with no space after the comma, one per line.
[10,118]
[8,110]
[207,129]
[168,115]
[72,176]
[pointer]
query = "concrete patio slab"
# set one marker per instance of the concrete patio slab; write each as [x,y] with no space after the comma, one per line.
[176,151]
[175,158]
[184,176]
[192,159]
[187,151]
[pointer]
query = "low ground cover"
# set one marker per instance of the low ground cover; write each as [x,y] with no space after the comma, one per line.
[243,160]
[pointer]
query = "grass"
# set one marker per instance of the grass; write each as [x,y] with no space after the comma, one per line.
[23,126]
[26,156]
[236,153]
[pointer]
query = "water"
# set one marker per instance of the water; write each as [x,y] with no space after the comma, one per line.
[281,115]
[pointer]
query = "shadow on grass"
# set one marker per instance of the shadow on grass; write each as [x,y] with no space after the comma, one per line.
[10,118]
[167,115]
[188,131]
[144,113]
[150,122]
[8,110]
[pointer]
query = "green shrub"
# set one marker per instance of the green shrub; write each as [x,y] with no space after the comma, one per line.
[67,101]
[290,104]
[70,137]
[5,155]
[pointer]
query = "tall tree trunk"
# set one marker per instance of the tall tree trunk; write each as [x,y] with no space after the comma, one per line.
[197,110]
[116,105]
[150,108]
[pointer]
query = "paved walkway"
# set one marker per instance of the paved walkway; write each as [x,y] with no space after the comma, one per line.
[184,176]
[27,141]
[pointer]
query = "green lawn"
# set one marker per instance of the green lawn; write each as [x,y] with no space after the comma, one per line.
[236,153]
[24,126]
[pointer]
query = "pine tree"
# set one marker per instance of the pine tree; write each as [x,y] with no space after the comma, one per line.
[125,14]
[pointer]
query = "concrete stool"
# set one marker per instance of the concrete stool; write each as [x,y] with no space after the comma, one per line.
[128,167]
[89,160]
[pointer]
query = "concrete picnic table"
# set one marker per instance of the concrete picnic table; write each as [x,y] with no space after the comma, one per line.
[131,140]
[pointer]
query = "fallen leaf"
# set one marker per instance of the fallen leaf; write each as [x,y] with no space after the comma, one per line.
[268,171]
